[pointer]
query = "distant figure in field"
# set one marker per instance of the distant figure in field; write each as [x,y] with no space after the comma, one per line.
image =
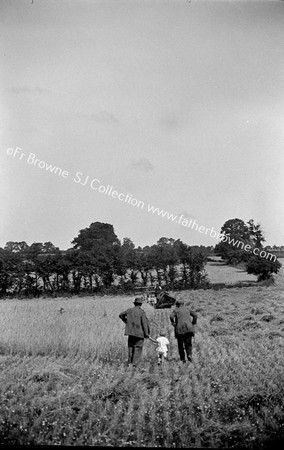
[184,329]
[61,310]
[158,289]
[137,329]
[162,349]
[152,299]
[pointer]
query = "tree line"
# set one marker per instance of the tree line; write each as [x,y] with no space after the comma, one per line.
[99,262]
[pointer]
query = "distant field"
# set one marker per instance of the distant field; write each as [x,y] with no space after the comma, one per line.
[63,378]
[218,272]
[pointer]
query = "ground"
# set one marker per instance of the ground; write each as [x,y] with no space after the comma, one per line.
[64,378]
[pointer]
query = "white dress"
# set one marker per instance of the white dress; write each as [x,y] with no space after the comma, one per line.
[162,348]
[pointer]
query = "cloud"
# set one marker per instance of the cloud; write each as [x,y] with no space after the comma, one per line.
[103,117]
[143,165]
[27,90]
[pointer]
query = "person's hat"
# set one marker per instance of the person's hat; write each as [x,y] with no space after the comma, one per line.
[138,301]
[179,302]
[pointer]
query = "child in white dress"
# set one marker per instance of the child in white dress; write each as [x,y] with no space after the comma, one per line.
[162,349]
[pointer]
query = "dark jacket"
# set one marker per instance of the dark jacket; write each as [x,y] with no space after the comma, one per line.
[136,322]
[181,319]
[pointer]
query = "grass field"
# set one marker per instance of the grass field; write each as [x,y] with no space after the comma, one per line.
[64,381]
[219,272]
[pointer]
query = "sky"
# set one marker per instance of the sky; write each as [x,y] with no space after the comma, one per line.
[179,104]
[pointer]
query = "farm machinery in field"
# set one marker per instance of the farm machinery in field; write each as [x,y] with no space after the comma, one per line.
[158,298]
[164,300]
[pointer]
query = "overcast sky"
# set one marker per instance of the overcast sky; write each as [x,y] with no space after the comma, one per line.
[179,104]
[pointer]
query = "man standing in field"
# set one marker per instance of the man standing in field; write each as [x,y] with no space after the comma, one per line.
[137,329]
[184,329]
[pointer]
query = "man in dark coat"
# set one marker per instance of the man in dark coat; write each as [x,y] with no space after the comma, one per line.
[184,328]
[137,329]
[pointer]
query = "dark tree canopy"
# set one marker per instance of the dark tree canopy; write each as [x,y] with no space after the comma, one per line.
[263,268]
[95,235]
[239,235]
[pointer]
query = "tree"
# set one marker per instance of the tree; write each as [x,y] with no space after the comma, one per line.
[127,261]
[145,264]
[163,258]
[193,261]
[61,268]
[262,267]
[240,234]
[236,234]
[41,265]
[96,233]
[234,231]
[11,277]
[101,241]
[183,252]
[16,247]
[195,267]
[256,234]
[168,258]
[80,265]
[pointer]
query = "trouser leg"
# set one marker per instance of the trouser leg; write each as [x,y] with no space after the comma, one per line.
[187,339]
[137,350]
[130,349]
[181,348]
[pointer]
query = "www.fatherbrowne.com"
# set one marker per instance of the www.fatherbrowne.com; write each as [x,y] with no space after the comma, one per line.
[108,190]
[192,224]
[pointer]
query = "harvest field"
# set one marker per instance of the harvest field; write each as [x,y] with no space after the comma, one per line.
[64,378]
[219,272]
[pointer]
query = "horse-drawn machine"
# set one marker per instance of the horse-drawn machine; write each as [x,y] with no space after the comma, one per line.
[158,298]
